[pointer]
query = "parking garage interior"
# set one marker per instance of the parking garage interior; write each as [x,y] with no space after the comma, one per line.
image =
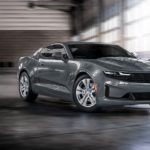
[53,123]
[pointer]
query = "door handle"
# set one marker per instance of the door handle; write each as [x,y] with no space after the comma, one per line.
[42,64]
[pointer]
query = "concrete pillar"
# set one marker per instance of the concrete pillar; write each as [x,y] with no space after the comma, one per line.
[122,22]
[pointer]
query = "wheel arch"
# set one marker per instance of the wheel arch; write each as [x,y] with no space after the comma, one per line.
[79,74]
[21,71]
[82,73]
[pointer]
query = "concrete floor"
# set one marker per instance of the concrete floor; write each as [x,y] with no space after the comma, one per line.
[55,124]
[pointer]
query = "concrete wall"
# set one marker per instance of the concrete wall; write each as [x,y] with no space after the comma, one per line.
[23,30]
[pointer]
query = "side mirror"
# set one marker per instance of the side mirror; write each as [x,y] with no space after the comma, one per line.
[65,57]
[134,54]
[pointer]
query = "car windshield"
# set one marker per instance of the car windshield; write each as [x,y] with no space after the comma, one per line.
[95,51]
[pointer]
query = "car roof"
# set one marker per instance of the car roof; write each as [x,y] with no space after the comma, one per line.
[80,42]
[72,42]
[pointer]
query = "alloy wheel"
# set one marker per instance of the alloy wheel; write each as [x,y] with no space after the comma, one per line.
[24,86]
[86,92]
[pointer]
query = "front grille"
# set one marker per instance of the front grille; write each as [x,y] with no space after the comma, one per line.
[137,96]
[141,96]
[130,96]
[135,77]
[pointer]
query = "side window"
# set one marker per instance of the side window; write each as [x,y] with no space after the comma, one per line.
[57,51]
[53,52]
[47,52]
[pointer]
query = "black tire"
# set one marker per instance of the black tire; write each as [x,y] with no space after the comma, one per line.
[80,107]
[31,96]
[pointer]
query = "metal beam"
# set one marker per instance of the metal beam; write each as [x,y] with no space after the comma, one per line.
[122,22]
[51,4]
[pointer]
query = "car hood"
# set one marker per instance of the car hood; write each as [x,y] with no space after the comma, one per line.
[124,64]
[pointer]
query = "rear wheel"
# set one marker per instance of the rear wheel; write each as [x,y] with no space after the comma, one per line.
[84,94]
[25,89]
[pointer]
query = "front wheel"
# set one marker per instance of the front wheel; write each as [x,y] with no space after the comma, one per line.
[84,94]
[25,89]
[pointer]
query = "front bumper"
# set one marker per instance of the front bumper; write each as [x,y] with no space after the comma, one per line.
[117,92]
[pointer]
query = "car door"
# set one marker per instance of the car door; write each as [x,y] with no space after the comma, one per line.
[53,71]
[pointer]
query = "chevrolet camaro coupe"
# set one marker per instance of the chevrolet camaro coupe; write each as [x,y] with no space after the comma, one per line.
[89,74]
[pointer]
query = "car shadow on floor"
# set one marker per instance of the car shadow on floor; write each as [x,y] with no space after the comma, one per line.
[56,107]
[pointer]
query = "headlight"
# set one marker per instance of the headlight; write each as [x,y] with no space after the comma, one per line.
[115,74]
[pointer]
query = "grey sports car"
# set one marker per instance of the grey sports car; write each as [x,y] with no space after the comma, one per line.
[90,74]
